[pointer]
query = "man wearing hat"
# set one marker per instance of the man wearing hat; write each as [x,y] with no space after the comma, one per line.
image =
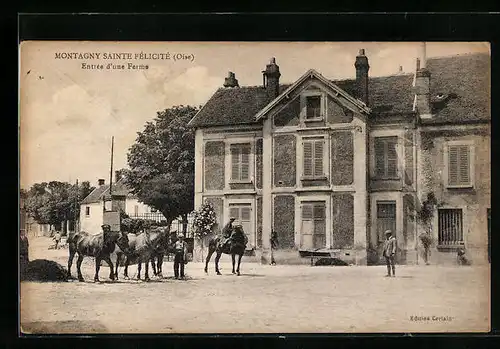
[390,252]
[180,248]
[227,231]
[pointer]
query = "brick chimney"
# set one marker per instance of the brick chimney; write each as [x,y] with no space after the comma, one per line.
[231,80]
[271,78]
[422,87]
[362,68]
[100,182]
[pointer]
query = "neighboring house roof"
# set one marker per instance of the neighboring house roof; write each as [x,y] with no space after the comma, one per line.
[463,80]
[467,76]
[119,188]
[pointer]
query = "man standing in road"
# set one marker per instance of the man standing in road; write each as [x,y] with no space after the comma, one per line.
[180,247]
[390,252]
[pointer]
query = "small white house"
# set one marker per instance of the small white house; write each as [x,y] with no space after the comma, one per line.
[92,207]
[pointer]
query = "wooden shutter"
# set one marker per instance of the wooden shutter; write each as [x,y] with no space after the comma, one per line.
[319,240]
[318,158]
[245,213]
[308,158]
[245,162]
[307,226]
[464,160]
[246,221]
[392,157]
[235,162]
[453,165]
[307,212]
[379,157]
[459,157]
[234,212]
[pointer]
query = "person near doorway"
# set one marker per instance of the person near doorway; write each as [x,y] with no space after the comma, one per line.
[389,253]
[180,248]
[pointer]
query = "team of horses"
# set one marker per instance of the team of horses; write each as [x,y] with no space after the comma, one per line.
[151,246]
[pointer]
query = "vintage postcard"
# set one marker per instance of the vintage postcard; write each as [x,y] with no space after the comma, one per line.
[254,187]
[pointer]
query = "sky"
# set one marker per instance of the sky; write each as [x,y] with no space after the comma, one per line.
[68,115]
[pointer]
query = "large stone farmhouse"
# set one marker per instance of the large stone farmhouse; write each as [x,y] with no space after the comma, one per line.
[329,165]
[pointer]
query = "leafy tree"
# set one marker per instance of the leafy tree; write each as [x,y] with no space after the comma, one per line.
[55,202]
[161,164]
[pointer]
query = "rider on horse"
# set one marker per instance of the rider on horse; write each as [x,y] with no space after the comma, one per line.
[226,232]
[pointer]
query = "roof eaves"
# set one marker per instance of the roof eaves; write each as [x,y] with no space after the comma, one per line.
[89,195]
[275,101]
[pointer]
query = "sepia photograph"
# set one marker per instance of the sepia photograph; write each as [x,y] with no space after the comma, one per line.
[254,187]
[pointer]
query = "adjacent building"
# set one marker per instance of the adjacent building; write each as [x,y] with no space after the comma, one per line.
[93,208]
[331,164]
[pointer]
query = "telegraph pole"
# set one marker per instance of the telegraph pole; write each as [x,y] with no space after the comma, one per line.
[111,170]
[75,218]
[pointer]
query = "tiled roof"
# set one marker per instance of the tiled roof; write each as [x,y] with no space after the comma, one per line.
[98,193]
[232,106]
[466,76]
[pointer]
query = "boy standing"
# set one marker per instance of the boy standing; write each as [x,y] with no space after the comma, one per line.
[390,252]
[180,247]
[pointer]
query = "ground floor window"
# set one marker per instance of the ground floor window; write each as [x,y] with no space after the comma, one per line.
[313,232]
[386,218]
[450,227]
[243,215]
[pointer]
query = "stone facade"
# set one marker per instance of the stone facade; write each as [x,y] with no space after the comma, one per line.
[329,166]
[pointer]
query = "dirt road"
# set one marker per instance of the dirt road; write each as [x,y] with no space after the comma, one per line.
[266,299]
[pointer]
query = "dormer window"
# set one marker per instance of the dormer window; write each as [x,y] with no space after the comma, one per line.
[313,107]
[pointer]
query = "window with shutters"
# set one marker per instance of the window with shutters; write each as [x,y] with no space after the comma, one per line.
[243,216]
[240,162]
[386,157]
[386,218]
[459,165]
[313,232]
[313,158]
[450,228]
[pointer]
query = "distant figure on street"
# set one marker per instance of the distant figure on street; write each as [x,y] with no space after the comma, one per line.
[180,248]
[57,239]
[227,231]
[390,245]
[274,245]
